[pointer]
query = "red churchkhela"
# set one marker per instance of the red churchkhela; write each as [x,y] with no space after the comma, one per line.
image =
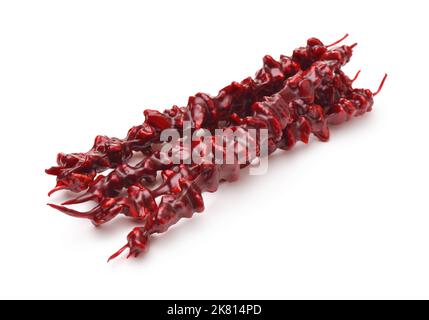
[291,98]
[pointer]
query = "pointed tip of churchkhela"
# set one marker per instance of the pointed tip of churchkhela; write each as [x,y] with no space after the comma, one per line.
[117,253]
[54,171]
[381,85]
[57,188]
[338,41]
[70,212]
[356,76]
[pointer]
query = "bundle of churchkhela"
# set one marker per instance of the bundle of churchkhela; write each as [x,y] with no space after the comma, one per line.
[287,101]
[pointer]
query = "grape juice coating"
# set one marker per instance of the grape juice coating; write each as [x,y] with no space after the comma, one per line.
[292,98]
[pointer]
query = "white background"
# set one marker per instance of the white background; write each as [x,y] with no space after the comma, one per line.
[344,219]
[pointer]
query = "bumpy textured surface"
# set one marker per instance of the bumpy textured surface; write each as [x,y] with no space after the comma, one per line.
[292,98]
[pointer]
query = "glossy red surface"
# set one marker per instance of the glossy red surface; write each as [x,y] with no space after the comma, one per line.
[292,98]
